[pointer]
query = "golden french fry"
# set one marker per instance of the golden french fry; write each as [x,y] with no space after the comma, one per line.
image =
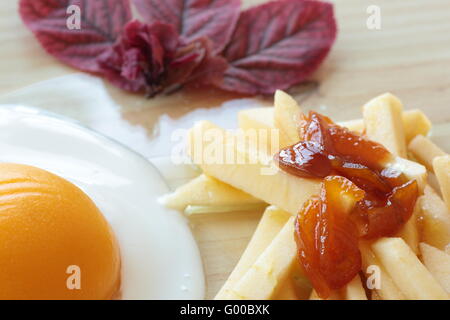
[387,289]
[269,226]
[406,270]
[415,122]
[295,287]
[208,191]
[424,150]
[261,120]
[412,170]
[356,125]
[286,118]
[438,263]
[433,181]
[383,123]
[270,269]
[257,118]
[254,176]
[410,231]
[441,167]
[435,219]
[354,290]
[191,211]
[303,286]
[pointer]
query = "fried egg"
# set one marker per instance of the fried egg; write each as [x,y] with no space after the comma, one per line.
[79,218]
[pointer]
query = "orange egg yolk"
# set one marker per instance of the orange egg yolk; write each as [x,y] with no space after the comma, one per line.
[54,241]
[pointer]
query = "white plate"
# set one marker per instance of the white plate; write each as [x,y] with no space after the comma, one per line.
[160,259]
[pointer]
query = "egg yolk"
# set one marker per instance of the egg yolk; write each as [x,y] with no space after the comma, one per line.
[54,241]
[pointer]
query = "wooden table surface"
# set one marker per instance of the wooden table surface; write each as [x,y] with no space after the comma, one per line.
[409,56]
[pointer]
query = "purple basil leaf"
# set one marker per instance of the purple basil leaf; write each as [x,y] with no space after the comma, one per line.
[101,23]
[194,19]
[277,45]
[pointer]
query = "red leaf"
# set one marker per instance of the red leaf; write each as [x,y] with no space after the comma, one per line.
[205,69]
[277,45]
[151,58]
[101,23]
[194,19]
[138,60]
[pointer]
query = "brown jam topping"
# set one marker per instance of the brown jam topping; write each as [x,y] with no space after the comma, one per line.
[327,230]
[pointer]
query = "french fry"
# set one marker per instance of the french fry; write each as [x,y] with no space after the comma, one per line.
[356,125]
[268,227]
[270,269]
[296,286]
[433,181]
[286,118]
[406,270]
[286,291]
[441,167]
[274,186]
[410,231]
[415,122]
[424,150]
[412,170]
[208,191]
[387,290]
[354,290]
[303,286]
[435,219]
[211,209]
[438,263]
[383,123]
[261,119]
[387,108]
[257,118]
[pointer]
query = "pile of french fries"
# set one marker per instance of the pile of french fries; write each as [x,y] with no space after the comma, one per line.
[415,264]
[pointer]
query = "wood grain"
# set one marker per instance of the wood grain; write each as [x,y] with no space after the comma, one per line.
[409,56]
